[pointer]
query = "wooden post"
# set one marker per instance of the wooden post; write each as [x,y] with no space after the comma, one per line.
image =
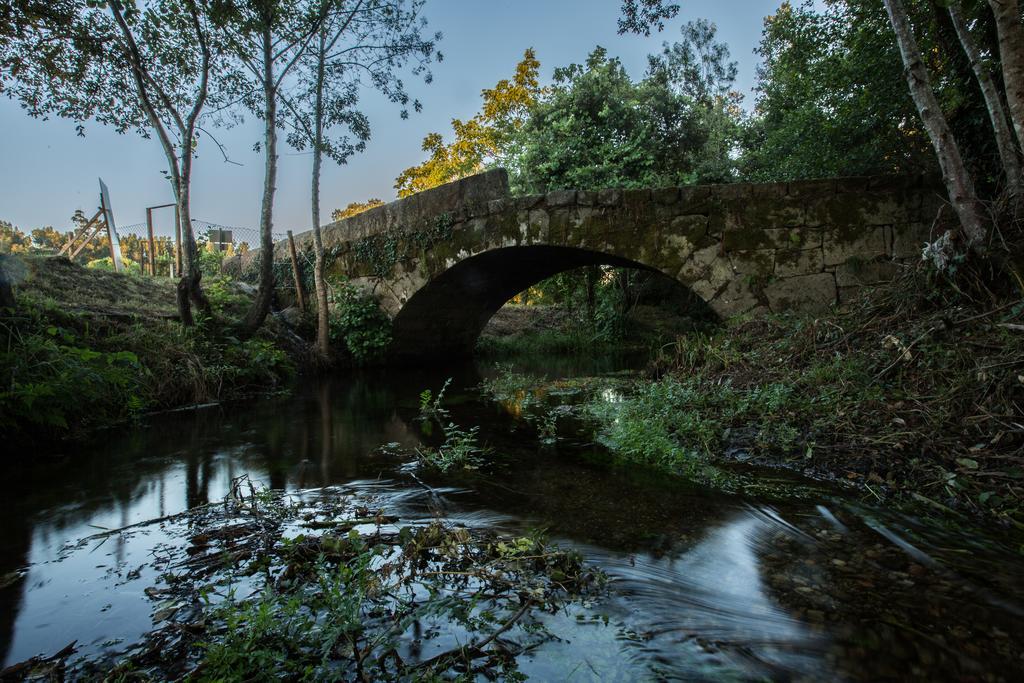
[299,294]
[177,241]
[99,226]
[81,231]
[152,242]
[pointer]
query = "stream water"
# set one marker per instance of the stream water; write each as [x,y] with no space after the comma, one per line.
[704,586]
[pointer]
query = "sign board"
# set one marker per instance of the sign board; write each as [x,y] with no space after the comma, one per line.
[108,216]
[220,239]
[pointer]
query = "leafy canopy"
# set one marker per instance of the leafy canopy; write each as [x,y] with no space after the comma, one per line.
[481,139]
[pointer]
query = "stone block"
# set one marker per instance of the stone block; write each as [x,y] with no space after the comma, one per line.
[810,293]
[854,211]
[907,240]
[789,262]
[793,238]
[528,201]
[758,190]
[558,198]
[637,201]
[752,263]
[609,197]
[497,206]
[771,212]
[706,266]
[695,198]
[738,297]
[841,245]
[856,273]
[739,238]
[734,192]
[804,189]
[586,198]
[539,224]
[665,195]
[693,227]
[852,184]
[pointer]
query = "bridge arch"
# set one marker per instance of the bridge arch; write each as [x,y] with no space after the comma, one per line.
[428,324]
[442,261]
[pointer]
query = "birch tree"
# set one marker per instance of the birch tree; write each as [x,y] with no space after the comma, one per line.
[1011,55]
[268,37]
[358,43]
[959,184]
[1005,144]
[144,66]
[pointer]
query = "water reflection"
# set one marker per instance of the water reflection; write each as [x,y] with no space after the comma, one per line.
[704,586]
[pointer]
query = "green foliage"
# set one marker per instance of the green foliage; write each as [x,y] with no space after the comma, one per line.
[210,261]
[832,99]
[52,380]
[359,325]
[107,263]
[13,240]
[293,633]
[223,295]
[597,128]
[461,450]
[482,138]
[683,420]
[383,250]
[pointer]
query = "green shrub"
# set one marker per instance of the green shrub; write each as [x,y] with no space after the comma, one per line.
[51,380]
[359,325]
[107,263]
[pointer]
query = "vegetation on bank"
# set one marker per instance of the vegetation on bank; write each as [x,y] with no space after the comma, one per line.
[910,391]
[86,348]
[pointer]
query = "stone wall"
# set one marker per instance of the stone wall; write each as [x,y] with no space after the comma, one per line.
[743,248]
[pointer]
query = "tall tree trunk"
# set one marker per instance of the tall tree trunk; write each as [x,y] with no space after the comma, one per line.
[1011,55]
[189,285]
[323,331]
[994,103]
[261,306]
[958,180]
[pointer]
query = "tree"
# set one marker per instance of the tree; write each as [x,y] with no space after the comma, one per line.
[372,40]
[268,38]
[13,240]
[145,66]
[959,183]
[1011,53]
[482,139]
[830,98]
[597,128]
[639,16]
[355,208]
[699,68]
[1008,154]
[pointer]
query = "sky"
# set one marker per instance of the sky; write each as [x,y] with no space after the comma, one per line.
[49,172]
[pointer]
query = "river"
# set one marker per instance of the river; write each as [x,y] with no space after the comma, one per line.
[704,586]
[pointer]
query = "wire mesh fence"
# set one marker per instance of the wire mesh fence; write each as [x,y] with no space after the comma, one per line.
[158,256]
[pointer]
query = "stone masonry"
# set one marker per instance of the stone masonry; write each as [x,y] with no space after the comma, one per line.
[743,248]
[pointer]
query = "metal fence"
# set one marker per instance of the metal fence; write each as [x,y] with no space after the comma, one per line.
[160,257]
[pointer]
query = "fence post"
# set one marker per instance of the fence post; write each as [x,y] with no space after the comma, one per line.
[177,241]
[152,242]
[299,294]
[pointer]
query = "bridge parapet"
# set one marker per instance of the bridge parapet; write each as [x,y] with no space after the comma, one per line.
[441,262]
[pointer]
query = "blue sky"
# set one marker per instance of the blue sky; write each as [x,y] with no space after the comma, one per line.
[49,172]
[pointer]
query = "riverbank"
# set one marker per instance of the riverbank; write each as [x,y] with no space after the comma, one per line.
[911,392]
[87,348]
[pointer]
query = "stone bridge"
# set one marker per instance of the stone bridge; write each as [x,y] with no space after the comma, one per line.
[444,261]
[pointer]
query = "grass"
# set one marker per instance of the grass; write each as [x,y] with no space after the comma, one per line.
[87,348]
[912,392]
